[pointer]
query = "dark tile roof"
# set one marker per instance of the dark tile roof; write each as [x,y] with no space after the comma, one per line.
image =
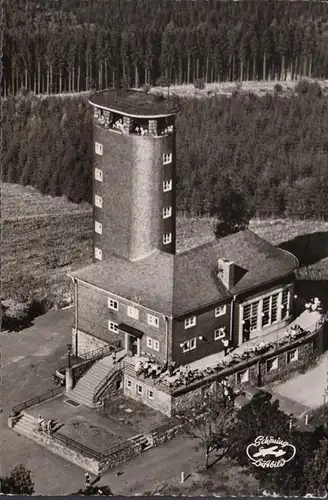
[134,103]
[195,281]
[177,285]
[147,281]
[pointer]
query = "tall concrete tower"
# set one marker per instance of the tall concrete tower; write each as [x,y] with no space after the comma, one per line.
[134,174]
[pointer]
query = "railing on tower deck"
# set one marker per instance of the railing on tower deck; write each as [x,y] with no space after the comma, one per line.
[102,384]
[38,399]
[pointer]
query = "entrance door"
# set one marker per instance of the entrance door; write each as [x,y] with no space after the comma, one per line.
[246,331]
[132,345]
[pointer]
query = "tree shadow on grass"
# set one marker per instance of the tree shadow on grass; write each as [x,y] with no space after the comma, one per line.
[308,248]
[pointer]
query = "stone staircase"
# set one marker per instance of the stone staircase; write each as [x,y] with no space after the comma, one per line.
[84,390]
[26,426]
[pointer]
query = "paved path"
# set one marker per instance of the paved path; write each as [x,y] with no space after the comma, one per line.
[306,388]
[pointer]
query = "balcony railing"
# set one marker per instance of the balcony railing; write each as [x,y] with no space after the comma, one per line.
[181,380]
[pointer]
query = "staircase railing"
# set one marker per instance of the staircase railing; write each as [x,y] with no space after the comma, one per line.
[101,351]
[102,384]
[38,399]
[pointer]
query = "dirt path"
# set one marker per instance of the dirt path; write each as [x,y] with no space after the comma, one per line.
[221,88]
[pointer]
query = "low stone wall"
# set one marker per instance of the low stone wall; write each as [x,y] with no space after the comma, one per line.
[259,375]
[164,433]
[76,457]
[119,455]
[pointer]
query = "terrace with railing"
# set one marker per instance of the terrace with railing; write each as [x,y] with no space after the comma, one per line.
[173,379]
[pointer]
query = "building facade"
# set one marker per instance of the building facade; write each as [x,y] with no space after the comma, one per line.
[162,305]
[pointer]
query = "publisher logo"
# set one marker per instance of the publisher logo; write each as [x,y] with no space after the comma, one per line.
[269,452]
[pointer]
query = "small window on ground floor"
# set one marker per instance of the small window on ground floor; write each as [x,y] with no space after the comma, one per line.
[150,395]
[128,384]
[292,356]
[243,377]
[272,364]
[139,389]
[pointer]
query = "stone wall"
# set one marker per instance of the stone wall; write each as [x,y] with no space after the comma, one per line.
[162,434]
[259,373]
[86,342]
[119,455]
[160,401]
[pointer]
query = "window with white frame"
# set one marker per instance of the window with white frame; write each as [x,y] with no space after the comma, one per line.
[156,345]
[112,304]
[189,322]
[189,345]
[150,395]
[98,175]
[167,238]
[292,356]
[98,227]
[98,148]
[219,333]
[152,344]
[167,212]
[272,364]
[243,377]
[270,310]
[128,384]
[133,312]
[167,158]
[139,389]
[220,310]
[167,186]
[285,303]
[112,326]
[250,314]
[152,320]
[98,201]
[98,253]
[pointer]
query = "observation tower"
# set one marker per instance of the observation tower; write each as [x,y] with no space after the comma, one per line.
[134,174]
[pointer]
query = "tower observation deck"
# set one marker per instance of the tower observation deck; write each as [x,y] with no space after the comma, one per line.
[134,174]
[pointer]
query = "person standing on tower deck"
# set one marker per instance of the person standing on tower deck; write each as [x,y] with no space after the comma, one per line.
[225,345]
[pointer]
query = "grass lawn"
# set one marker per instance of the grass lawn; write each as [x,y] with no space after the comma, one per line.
[223,478]
[43,238]
[134,414]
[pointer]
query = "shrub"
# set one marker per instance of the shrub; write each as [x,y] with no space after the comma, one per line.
[278,88]
[302,87]
[199,84]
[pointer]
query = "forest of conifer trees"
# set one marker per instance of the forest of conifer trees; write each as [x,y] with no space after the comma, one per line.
[272,149]
[73,45]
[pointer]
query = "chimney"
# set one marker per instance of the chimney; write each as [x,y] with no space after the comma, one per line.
[226,272]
